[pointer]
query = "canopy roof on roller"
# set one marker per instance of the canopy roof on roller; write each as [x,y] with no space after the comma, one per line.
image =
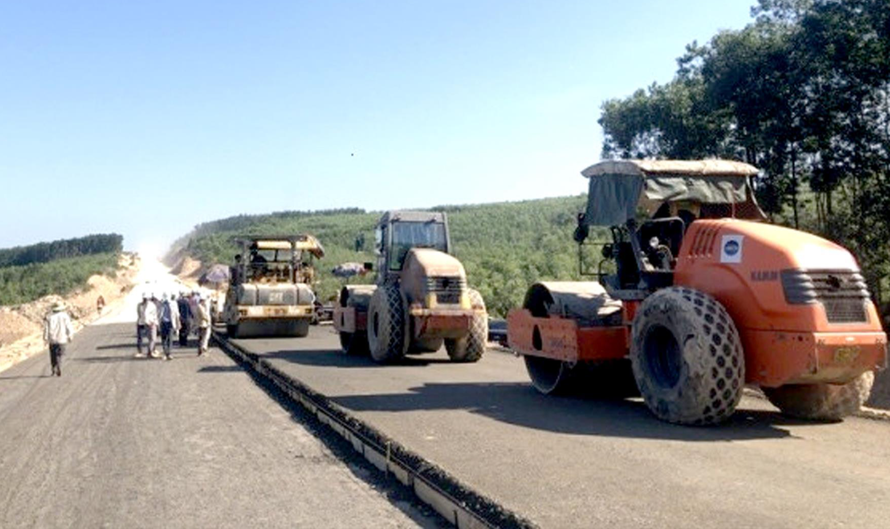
[619,187]
[273,245]
[304,242]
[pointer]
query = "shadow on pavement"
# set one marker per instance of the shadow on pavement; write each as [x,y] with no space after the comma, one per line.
[336,358]
[520,404]
[221,369]
[106,359]
[25,376]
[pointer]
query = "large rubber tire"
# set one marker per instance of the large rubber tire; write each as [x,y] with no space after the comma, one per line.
[301,328]
[471,347]
[387,325]
[232,330]
[822,402]
[354,344]
[549,376]
[687,357]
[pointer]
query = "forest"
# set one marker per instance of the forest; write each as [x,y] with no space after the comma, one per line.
[21,284]
[58,267]
[45,252]
[803,93]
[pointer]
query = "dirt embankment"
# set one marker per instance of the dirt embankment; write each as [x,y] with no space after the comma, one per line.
[184,266]
[21,326]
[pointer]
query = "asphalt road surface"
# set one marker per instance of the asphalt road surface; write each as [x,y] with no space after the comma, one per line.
[576,462]
[125,442]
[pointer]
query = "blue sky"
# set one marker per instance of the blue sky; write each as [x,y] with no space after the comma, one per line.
[146,118]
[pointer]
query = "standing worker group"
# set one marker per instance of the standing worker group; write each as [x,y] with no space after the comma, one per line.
[57,332]
[171,317]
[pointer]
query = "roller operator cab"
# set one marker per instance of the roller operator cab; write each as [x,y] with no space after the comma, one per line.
[697,296]
[420,299]
[271,287]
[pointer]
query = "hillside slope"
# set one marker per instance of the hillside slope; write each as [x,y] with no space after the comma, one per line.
[504,246]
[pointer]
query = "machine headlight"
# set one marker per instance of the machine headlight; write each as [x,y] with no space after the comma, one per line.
[465,301]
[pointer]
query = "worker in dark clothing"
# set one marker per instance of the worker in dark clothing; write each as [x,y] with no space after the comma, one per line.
[236,273]
[169,319]
[185,320]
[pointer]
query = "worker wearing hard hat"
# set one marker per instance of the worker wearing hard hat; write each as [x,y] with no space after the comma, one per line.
[57,332]
[140,324]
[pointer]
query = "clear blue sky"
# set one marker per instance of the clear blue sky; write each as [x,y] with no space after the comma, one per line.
[146,118]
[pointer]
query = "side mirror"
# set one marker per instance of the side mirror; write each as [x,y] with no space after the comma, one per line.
[369,266]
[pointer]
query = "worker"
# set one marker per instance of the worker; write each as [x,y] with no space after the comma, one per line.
[169,320]
[57,332]
[140,324]
[193,307]
[204,322]
[100,304]
[151,325]
[236,272]
[185,319]
[258,264]
[174,306]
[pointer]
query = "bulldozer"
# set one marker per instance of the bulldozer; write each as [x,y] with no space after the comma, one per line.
[420,298]
[270,287]
[696,296]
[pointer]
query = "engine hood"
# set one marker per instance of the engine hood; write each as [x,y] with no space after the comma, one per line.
[423,263]
[748,266]
[794,249]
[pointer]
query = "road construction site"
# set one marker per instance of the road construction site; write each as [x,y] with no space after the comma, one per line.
[200,441]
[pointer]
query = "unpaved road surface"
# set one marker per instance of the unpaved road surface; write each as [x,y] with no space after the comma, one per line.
[125,442]
[576,462]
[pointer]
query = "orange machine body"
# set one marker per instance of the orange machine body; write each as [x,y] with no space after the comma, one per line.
[795,299]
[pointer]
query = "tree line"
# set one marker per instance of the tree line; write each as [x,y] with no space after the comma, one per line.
[505,247]
[21,284]
[803,93]
[46,252]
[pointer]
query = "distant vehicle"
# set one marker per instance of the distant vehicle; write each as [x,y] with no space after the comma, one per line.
[497,331]
[271,291]
[701,298]
[420,300]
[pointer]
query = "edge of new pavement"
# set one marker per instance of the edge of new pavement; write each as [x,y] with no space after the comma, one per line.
[455,501]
